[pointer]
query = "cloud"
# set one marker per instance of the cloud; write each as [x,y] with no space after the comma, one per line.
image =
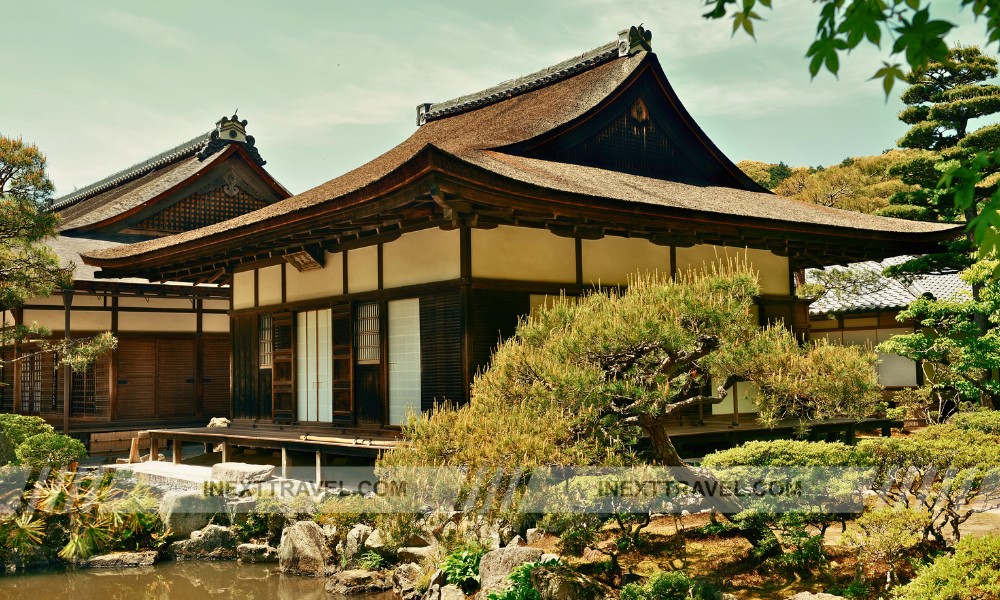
[148,30]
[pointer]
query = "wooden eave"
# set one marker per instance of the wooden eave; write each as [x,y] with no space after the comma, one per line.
[437,189]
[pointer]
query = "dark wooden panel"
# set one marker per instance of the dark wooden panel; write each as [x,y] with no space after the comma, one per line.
[6,380]
[244,351]
[495,315]
[175,373]
[441,350]
[216,377]
[136,379]
[282,376]
[368,393]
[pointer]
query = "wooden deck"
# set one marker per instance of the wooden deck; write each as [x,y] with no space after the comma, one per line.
[362,443]
[691,439]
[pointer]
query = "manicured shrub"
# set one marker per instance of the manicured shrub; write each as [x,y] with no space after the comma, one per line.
[972,573]
[49,450]
[670,585]
[942,470]
[985,421]
[16,429]
[889,535]
[784,453]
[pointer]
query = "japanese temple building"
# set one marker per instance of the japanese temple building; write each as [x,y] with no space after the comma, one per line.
[384,290]
[172,361]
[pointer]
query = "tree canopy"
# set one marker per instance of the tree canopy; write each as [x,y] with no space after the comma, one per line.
[843,25]
[582,381]
[28,267]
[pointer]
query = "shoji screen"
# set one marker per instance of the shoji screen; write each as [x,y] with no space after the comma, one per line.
[404,359]
[314,387]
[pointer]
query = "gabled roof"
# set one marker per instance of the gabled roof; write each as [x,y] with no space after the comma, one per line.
[163,159]
[511,150]
[887,293]
[130,188]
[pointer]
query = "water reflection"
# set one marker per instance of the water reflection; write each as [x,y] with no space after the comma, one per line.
[170,581]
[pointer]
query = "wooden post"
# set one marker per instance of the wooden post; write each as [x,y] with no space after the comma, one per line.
[319,468]
[67,370]
[284,462]
[199,360]
[18,319]
[113,363]
[227,452]
[133,452]
[154,448]
[178,447]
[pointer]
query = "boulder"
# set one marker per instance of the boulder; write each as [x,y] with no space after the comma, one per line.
[357,581]
[439,578]
[303,549]
[547,558]
[404,580]
[353,545]
[211,543]
[236,472]
[814,596]
[517,541]
[562,583]
[374,543]
[496,565]
[121,560]
[256,553]
[533,535]
[451,592]
[415,554]
[184,512]
[418,540]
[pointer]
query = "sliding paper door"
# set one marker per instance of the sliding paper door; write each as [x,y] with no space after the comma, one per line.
[404,359]
[314,389]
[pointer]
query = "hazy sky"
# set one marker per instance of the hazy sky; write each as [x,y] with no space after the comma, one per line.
[328,85]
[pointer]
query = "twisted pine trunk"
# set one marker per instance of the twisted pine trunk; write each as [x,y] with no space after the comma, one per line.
[726,503]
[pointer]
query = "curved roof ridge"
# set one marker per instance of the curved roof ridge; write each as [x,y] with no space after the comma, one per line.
[519,85]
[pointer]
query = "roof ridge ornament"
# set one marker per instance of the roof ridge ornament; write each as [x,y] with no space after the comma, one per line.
[230,130]
[634,39]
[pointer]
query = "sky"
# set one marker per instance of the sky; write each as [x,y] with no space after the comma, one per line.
[327,85]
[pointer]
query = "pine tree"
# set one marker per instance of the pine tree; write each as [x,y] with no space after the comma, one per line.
[942,100]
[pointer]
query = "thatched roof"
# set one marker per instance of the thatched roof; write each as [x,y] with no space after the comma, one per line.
[488,140]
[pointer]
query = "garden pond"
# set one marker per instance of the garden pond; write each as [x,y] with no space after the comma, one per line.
[170,581]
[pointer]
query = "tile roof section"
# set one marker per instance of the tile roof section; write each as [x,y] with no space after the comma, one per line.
[521,85]
[188,148]
[889,293]
[132,194]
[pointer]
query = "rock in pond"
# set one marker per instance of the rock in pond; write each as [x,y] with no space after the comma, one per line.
[356,581]
[303,549]
[184,512]
[211,543]
[122,560]
[256,553]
